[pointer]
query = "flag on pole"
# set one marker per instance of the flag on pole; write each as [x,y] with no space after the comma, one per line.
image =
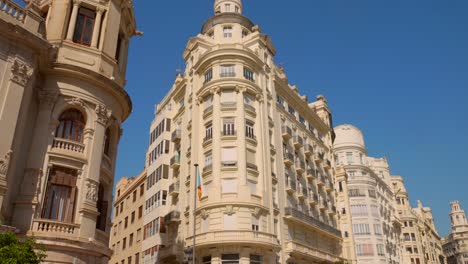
[199,185]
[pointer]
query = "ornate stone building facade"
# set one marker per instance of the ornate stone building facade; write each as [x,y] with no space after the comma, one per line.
[456,244]
[365,201]
[62,103]
[420,241]
[264,153]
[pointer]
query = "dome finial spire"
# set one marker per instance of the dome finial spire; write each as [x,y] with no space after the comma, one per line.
[227,6]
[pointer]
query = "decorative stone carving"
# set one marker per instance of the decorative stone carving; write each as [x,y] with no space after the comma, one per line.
[103,114]
[21,72]
[259,97]
[5,163]
[215,90]
[91,191]
[76,102]
[47,98]
[204,214]
[229,210]
[257,212]
[241,89]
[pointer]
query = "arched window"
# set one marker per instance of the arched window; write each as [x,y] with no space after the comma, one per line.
[107,142]
[71,125]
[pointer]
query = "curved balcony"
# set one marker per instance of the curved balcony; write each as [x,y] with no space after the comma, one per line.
[308,150]
[243,237]
[288,159]
[65,146]
[298,142]
[299,250]
[297,216]
[300,165]
[175,162]
[310,174]
[290,185]
[286,132]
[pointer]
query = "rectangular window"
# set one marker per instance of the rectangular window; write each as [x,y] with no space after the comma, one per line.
[229,156]
[252,187]
[255,259]
[229,185]
[209,131]
[138,234]
[229,128]
[228,71]
[280,101]
[133,217]
[249,100]
[230,259]
[130,240]
[255,224]
[248,74]
[291,111]
[84,26]
[142,190]
[208,75]
[209,102]
[206,260]
[227,31]
[137,258]
[61,194]
[140,212]
[302,120]
[349,157]
[361,229]
[228,8]
[249,130]
[208,159]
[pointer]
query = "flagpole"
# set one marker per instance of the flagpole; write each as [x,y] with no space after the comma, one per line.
[195,212]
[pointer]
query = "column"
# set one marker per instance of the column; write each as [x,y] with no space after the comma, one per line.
[216,145]
[240,128]
[73,17]
[27,202]
[89,196]
[97,27]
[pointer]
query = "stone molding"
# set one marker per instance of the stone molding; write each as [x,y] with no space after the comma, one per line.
[5,163]
[20,72]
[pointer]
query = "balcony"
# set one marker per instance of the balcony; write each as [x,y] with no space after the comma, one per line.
[288,159]
[228,106]
[207,141]
[308,150]
[327,164]
[310,174]
[53,228]
[298,141]
[229,237]
[286,132]
[172,217]
[299,249]
[290,185]
[300,217]
[252,166]
[323,205]
[67,146]
[250,109]
[319,157]
[208,111]
[229,134]
[175,162]
[176,136]
[273,176]
[300,165]
[331,209]
[207,168]
[320,181]
[229,164]
[302,193]
[313,199]
[328,185]
[174,189]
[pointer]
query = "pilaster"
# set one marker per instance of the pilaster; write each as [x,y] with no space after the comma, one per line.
[90,184]
[240,127]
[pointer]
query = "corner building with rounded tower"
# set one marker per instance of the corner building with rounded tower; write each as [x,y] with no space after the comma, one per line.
[263,150]
[62,101]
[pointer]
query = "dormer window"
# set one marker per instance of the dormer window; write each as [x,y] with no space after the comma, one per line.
[227,32]
[84,26]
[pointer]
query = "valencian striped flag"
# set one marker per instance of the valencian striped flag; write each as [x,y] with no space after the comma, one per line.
[199,185]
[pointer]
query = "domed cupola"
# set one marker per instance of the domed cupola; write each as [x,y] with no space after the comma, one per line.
[228,6]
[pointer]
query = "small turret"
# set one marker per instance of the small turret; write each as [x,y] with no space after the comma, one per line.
[227,6]
[457,215]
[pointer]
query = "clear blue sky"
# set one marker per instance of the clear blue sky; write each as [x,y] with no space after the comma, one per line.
[397,69]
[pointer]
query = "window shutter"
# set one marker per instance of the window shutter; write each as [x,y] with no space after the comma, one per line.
[229,154]
[228,96]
